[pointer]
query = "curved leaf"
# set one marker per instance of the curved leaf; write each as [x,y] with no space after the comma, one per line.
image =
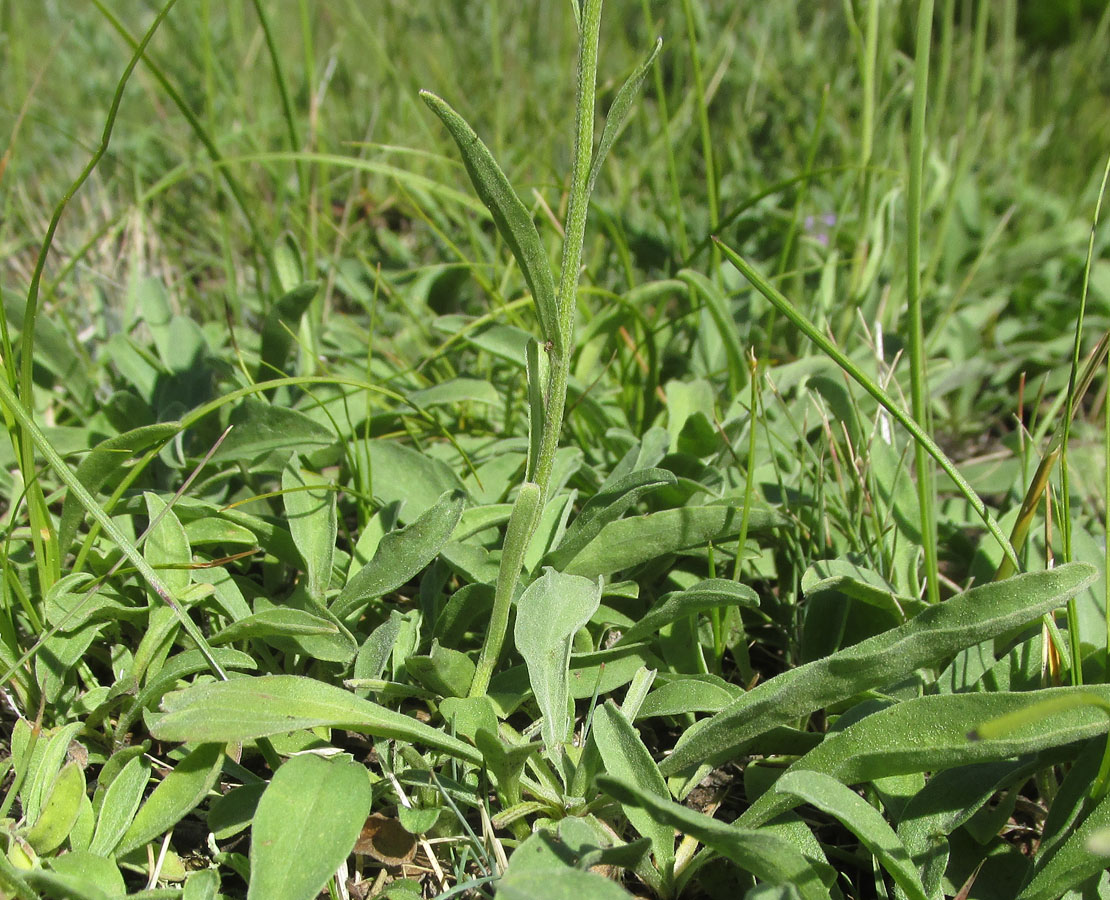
[861,818]
[245,709]
[924,640]
[513,221]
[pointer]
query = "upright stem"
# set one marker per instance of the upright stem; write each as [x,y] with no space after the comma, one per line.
[532,496]
[918,396]
[556,393]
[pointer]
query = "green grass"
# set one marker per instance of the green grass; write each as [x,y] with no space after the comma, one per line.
[390,514]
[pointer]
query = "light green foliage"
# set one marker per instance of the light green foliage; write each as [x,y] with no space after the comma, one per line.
[492,417]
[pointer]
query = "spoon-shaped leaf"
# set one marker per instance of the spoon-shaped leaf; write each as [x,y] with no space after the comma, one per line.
[306,824]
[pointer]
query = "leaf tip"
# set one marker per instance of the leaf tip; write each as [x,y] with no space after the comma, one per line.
[974,735]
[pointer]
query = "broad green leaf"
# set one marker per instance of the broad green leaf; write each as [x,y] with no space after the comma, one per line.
[279,328]
[549,612]
[306,824]
[456,390]
[713,593]
[765,855]
[513,221]
[167,548]
[203,884]
[178,794]
[444,671]
[121,801]
[90,872]
[104,460]
[245,709]
[925,640]
[607,505]
[682,695]
[310,511]
[930,734]
[546,868]
[402,555]
[261,427]
[295,629]
[59,813]
[406,476]
[629,542]
[176,668]
[558,883]
[861,818]
[377,649]
[232,812]
[625,757]
[619,112]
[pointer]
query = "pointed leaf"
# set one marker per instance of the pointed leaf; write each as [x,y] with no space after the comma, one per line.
[245,709]
[513,222]
[924,640]
[861,818]
[764,854]
[402,555]
[626,757]
[629,542]
[607,505]
[619,112]
[713,593]
[178,794]
[310,511]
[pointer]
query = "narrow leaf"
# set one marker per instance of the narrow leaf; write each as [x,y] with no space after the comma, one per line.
[626,757]
[513,222]
[930,734]
[402,555]
[310,511]
[924,640]
[607,505]
[629,542]
[619,112]
[861,818]
[765,855]
[713,593]
[179,793]
[245,709]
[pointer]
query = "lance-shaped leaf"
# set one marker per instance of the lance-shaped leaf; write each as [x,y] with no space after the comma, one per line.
[713,593]
[245,709]
[509,215]
[766,855]
[861,818]
[619,112]
[925,640]
[607,505]
[930,734]
[401,555]
[638,539]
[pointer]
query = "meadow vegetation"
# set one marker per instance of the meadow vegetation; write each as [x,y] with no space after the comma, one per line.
[536,450]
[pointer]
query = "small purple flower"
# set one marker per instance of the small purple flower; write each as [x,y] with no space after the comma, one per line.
[818,229]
